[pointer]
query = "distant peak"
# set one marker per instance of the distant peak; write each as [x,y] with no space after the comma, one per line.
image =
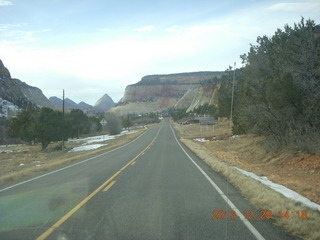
[104,103]
[4,72]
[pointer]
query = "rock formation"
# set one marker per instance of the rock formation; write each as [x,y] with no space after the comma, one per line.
[157,93]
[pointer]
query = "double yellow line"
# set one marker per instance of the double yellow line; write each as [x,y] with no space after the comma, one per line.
[104,185]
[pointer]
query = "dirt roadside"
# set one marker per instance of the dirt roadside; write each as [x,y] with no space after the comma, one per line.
[297,171]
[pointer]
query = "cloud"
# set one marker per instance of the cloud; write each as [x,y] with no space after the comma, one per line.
[5,3]
[308,6]
[16,33]
[7,26]
[145,28]
[174,28]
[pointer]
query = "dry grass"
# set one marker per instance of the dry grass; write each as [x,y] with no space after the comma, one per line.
[246,152]
[220,131]
[34,160]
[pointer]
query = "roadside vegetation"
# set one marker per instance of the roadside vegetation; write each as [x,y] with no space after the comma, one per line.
[277,92]
[43,130]
[46,125]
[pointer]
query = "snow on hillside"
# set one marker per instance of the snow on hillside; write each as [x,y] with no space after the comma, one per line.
[6,107]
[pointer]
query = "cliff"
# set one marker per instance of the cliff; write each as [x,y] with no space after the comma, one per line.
[157,93]
[205,93]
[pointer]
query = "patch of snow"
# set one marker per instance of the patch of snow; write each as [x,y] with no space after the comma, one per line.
[12,145]
[100,138]
[281,189]
[6,107]
[6,151]
[21,164]
[201,140]
[39,165]
[87,147]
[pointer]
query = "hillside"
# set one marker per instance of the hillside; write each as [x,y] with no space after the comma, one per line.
[157,93]
[18,94]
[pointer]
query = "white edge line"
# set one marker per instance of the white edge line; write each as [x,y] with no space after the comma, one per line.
[69,166]
[251,228]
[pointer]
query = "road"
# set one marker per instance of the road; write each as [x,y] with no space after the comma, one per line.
[151,188]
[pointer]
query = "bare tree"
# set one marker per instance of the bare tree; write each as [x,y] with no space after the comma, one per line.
[113,123]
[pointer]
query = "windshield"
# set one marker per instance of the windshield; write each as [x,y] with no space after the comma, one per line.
[159,119]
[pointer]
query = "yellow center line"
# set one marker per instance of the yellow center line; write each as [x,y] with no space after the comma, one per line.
[76,208]
[84,201]
[109,186]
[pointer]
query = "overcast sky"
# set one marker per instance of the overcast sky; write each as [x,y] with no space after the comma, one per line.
[93,47]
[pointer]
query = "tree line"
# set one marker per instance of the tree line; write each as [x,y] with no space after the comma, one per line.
[45,125]
[277,92]
[204,109]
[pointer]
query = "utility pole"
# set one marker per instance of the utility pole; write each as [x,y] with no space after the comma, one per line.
[234,74]
[63,120]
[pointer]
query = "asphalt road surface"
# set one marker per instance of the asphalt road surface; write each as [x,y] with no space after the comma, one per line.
[151,188]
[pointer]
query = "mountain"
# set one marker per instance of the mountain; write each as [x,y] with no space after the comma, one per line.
[68,103]
[104,103]
[85,106]
[4,72]
[15,94]
[18,93]
[157,93]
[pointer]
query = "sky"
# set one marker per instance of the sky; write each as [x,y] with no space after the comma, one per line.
[93,47]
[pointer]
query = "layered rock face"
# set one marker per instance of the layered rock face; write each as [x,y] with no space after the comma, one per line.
[149,93]
[205,93]
[156,93]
